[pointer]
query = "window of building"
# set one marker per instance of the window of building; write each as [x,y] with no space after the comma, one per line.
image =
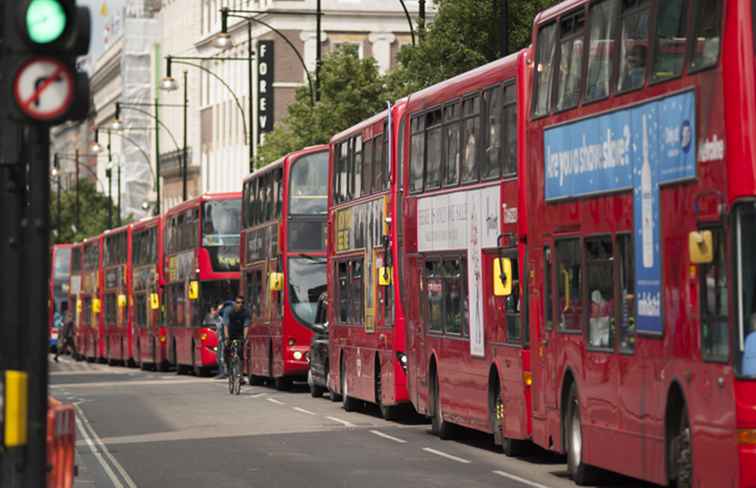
[570,59]
[599,270]
[715,341]
[707,32]
[452,138]
[602,42]
[569,284]
[471,125]
[545,52]
[633,56]
[671,39]
[433,151]
[626,258]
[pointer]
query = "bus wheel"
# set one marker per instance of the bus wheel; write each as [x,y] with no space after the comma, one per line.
[348,403]
[281,383]
[387,412]
[332,395]
[316,391]
[439,426]
[581,473]
[683,452]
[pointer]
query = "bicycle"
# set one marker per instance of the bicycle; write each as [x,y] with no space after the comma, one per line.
[234,367]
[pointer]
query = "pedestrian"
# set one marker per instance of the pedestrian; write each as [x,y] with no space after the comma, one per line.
[219,318]
[66,337]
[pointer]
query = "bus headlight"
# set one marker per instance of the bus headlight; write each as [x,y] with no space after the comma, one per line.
[297,355]
[402,360]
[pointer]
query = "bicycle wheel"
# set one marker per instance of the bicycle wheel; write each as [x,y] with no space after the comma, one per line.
[237,377]
[231,380]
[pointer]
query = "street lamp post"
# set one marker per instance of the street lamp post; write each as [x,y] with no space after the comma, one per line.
[185,166]
[109,175]
[56,175]
[76,218]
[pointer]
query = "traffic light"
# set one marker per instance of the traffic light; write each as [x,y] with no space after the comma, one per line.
[43,38]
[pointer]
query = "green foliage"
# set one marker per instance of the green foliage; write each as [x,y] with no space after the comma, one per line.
[351,90]
[464,34]
[93,213]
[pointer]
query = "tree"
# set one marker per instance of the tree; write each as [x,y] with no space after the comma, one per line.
[351,89]
[93,213]
[464,34]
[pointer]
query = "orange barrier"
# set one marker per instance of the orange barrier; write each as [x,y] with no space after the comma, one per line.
[61,440]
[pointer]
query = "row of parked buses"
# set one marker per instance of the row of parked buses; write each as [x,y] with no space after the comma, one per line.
[552,248]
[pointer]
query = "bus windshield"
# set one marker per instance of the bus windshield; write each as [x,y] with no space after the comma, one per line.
[307,281]
[221,223]
[309,191]
[745,235]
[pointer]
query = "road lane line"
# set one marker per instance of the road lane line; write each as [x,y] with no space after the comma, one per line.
[257,395]
[126,478]
[342,422]
[520,480]
[121,384]
[96,452]
[277,402]
[447,456]
[389,437]
[304,411]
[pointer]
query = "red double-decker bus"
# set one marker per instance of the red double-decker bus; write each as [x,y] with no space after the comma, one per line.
[60,277]
[283,262]
[368,359]
[116,272]
[201,247]
[90,331]
[463,266]
[642,189]
[149,333]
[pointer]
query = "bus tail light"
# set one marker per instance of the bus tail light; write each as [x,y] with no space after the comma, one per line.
[162,338]
[203,337]
[292,341]
[527,378]
[747,437]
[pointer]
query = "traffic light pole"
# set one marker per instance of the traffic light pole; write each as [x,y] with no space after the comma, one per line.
[36,229]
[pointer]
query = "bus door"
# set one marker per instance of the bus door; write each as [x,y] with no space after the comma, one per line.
[543,340]
[417,365]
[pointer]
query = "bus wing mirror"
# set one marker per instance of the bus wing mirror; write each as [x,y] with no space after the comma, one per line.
[154,301]
[384,275]
[122,301]
[700,247]
[276,281]
[193,290]
[502,277]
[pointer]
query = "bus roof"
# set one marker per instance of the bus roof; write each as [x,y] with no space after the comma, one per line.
[345,134]
[205,197]
[279,162]
[553,12]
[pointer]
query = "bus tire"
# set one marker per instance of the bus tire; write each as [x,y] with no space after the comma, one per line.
[581,473]
[439,426]
[387,412]
[348,403]
[332,394]
[680,448]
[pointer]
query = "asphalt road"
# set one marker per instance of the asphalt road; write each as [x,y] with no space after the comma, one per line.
[140,429]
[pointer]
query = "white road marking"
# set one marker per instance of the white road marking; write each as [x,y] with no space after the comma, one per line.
[277,402]
[95,451]
[520,480]
[257,395]
[342,422]
[304,411]
[447,456]
[83,421]
[122,384]
[389,437]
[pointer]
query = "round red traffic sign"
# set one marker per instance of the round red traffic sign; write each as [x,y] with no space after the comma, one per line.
[44,88]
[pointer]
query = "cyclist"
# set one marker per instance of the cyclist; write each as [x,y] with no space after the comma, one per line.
[235,324]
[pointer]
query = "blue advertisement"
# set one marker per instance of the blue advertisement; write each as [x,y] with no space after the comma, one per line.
[638,148]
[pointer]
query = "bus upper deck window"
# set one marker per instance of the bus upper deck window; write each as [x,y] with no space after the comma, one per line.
[706,39]
[633,45]
[544,72]
[570,59]
[601,49]
[671,40]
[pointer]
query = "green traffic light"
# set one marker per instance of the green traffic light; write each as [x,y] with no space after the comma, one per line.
[45,21]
